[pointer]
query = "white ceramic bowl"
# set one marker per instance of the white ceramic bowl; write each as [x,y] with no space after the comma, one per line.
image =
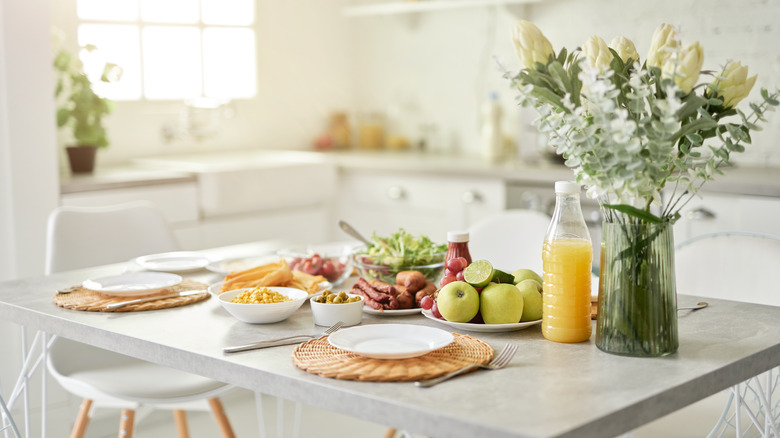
[326,314]
[263,313]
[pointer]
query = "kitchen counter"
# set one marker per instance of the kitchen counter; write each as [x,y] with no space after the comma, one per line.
[764,181]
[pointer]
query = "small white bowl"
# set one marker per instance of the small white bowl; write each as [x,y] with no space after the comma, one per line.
[327,314]
[263,313]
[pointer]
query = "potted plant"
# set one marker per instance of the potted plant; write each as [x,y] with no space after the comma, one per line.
[80,108]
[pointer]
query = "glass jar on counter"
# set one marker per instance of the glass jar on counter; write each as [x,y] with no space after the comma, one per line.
[371,130]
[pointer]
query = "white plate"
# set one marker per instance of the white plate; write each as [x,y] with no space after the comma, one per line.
[228,266]
[215,288]
[400,312]
[132,283]
[485,328]
[177,261]
[390,341]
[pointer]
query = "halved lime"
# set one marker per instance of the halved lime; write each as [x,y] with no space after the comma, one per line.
[479,273]
[500,276]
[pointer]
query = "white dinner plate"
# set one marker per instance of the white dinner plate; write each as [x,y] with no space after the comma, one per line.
[132,283]
[232,265]
[399,312]
[176,261]
[215,288]
[390,341]
[485,328]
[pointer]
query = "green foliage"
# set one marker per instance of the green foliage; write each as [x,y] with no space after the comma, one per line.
[78,105]
[630,133]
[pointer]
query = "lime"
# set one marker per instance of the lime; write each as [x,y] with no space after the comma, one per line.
[500,276]
[478,273]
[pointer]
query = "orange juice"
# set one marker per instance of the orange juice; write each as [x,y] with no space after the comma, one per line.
[566,290]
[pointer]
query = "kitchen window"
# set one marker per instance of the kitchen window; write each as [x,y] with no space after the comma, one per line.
[171,49]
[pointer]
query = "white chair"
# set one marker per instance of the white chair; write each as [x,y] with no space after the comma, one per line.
[6,421]
[510,240]
[78,237]
[735,266]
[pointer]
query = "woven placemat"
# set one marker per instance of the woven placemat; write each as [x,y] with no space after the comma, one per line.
[91,301]
[319,357]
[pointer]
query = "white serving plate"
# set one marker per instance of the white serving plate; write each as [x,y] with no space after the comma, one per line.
[176,261]
[240,264]
[484,328]
[132,283]
[390,341]
[215,288]
[399,312]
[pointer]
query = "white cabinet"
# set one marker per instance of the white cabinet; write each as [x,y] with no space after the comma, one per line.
[383,201]
[717,212]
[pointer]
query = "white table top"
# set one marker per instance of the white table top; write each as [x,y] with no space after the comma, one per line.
[549,389]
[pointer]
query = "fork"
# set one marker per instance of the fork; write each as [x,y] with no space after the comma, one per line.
[498,362]
[282,341]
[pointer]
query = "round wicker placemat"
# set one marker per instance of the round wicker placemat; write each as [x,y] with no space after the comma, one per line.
[91,301]
[319,357]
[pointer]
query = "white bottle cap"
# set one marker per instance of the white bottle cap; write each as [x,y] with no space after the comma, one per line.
[570,187]
[457,236]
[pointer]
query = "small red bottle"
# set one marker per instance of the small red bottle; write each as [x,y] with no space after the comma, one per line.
[457,246]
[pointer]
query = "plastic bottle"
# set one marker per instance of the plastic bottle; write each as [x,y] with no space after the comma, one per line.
[567,257]
[457,246]
[492,138]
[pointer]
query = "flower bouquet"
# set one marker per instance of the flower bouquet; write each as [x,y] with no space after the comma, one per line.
[642,137]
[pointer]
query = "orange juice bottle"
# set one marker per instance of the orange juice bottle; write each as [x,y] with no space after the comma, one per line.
[567,256]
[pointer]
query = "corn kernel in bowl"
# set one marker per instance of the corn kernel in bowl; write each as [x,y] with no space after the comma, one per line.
[260,295]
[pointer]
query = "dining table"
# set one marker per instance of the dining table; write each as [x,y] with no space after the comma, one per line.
[549,389]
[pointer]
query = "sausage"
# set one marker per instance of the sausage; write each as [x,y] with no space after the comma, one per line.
[404,297]
[429,289]
[370,302]
[371,292]
[382,287]
[411,280]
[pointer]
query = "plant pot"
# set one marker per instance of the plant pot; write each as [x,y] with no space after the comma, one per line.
[637,310]
[81,158]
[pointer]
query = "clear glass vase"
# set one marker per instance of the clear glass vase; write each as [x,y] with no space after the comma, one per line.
[637,309]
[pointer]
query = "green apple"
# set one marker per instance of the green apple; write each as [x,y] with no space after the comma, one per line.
[525,274]
[531,290]
[458,301]
[501,303]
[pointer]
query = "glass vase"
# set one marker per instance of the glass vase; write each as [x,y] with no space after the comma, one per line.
[637,308]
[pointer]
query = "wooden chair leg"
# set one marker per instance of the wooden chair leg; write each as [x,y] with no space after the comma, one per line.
[181,423]
[126,423]
[82,420]
[222,419]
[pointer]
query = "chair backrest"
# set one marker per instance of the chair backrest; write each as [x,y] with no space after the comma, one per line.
[78,237]
[734,266]
[510,240]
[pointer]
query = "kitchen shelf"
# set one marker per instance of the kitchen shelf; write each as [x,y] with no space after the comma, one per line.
[409,7]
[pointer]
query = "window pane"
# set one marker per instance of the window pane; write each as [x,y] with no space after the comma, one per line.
[229,12]
[118,10]
[229,62]
[116,44]
[169,11]
[172,62]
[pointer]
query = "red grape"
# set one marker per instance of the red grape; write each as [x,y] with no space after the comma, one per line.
[463,262]
[459,276]
[449,273]
[456,264]
[446,280]
[435,311]
[426,302]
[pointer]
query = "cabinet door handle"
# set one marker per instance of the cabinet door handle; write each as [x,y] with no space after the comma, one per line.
[470,197]
[395,193]
[701,214]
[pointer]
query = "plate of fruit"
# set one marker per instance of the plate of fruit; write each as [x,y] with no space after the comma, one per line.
[479,298]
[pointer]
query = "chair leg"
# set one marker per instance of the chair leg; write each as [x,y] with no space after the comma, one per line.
[82,420]
[181,423]
[222,419]
[126,423]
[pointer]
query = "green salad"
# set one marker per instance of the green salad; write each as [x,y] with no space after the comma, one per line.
[403,249]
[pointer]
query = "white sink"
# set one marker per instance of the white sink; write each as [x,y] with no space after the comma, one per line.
[249,181]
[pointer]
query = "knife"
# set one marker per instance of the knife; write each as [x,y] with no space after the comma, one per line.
[161,297]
